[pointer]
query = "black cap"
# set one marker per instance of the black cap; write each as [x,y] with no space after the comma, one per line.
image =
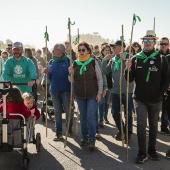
[119,42]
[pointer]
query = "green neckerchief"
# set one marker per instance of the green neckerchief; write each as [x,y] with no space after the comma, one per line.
[101,57]
[145,58]
[117,62]
[60,59]
[83,64]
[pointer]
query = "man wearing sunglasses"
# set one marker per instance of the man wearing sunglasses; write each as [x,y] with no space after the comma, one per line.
[151,74]
[164,50]
[9,50]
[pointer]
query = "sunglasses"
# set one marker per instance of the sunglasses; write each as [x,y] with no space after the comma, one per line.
[8,48]
[82,50]
[164,44]
[150,41]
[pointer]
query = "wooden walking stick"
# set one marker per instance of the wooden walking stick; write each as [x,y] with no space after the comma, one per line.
[46,36]
[77,118]
[127,83]
[120,82]
[71,87]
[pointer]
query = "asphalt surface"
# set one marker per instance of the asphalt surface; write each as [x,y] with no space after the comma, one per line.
[109,153]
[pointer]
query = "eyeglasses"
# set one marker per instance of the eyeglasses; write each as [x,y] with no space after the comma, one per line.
[82,50]
[164,44]
[8,48]
[150,41]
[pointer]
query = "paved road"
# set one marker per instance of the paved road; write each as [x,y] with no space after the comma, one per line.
[109,153]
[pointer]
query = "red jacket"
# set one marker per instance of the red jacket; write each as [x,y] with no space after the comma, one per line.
[15,108]
[35,111]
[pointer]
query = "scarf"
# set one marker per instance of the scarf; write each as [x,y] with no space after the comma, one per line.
[83,65]
[145,58]
[117,60]
[84,58]
[56,59]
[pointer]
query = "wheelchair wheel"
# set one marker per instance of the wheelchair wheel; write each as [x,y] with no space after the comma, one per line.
[38,141]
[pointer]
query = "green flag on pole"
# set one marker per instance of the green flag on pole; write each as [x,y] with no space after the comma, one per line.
[76,40]
[46,36]
[134,19]
[70,23]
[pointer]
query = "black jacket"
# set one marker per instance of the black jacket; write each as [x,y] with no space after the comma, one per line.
[158,83]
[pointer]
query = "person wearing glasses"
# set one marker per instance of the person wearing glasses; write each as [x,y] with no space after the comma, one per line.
[114,67]
[164,50]
[136,47]
[151,73]
[87,88]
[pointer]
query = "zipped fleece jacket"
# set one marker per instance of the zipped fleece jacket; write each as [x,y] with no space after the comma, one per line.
[58,76]
[153,90]
[21,71]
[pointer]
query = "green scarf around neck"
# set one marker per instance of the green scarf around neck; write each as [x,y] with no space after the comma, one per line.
[145,58]
[83,64]
[60,59]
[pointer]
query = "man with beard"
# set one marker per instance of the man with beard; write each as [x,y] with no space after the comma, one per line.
[20,69]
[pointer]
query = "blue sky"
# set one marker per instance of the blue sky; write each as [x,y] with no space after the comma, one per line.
[25,20]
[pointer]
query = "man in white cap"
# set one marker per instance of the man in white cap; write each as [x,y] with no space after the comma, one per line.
[20,69]
[151,74]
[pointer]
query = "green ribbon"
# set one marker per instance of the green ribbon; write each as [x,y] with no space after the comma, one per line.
[70,23]
[148,75]
[83,65]
[46,36]
[76,41]
[56,59]
[134,19]
[144,57]
[122,38]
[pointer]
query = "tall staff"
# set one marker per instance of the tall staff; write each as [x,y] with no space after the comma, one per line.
[127,85]
[77,119]
[71,80]
[120,82]
[46,36]
[154,24]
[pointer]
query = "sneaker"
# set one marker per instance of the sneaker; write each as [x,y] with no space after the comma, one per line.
[165,131]
[141,159]
[106,120]
[97,135]
[118,136]
[129,140]
[91,145]
[84,141]
[101,123]
[153,156]
[168,154]
[58,137]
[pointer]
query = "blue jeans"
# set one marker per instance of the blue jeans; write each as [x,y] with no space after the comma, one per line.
[104,105]
[164,116]
[116,111]
[87,108]
[61,100]
[144,110]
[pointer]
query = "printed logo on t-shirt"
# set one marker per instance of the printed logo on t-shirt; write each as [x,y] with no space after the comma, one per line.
[18,72]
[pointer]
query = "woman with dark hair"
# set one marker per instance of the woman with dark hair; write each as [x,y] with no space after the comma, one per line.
[87,88]
[104,105]
[137,47]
